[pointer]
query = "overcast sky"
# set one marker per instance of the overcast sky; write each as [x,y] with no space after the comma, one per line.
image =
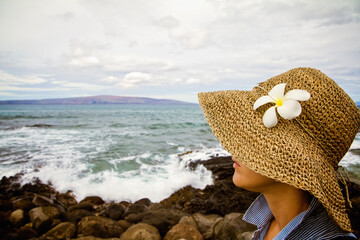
[171,49]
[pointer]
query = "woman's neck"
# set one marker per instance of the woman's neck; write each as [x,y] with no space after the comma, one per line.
[285,203]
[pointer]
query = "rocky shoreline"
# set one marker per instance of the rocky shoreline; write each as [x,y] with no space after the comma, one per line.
[37,211]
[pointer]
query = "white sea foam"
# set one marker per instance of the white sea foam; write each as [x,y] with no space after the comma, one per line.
[153,182]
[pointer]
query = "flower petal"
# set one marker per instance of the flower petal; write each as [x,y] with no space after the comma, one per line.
[261,101]
[277,91]
[298,94]
[290,109]
[270,118]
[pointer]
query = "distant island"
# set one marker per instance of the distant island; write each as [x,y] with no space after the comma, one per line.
[102,99]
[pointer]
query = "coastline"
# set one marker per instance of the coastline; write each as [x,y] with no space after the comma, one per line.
[36,210]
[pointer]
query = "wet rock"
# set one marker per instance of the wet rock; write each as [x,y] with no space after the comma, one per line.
[65,230]
[183,231]
[124,224]
[162,219]
[42,217]
[26,232]
[83,206]
[95,200]
[144,201]
[41,201]
[115,211]
[232,227]
[135,208]
[135,217]
[205,223]
[17,218]
[78,211]
[23,203]
[68,199]
[99,227]
[36,186]
[141,231]
[189,220]
[76,215]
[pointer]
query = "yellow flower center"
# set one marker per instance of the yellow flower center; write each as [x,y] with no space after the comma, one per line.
[279,102]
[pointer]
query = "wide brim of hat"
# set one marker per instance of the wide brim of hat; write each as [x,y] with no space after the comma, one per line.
[285,152]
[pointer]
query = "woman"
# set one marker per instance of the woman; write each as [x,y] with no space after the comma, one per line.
[286,137]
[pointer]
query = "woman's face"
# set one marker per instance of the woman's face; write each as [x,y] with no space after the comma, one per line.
[248,179]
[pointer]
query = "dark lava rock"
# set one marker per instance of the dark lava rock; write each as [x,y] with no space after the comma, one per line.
[95,200]
[136,208]
[115,211]
[162,219]
[99,227]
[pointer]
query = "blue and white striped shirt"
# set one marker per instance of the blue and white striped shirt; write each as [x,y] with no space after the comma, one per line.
[312,224]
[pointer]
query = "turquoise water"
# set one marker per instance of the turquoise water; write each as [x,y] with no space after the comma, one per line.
[119,152]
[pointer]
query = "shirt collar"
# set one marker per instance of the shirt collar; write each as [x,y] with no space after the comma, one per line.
[259,214]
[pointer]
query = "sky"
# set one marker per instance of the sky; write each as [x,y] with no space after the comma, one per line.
[171,49]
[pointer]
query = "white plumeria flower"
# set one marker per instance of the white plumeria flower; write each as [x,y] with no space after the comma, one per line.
[287,105]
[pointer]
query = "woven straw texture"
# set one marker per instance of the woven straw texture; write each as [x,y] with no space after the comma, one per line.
[306,159]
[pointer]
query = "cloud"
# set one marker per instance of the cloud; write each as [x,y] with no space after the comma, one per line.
[84,61]
[15,80]
[167,22]
[90,55]
[190,38]
[193,81]
[79,85]
[135,80]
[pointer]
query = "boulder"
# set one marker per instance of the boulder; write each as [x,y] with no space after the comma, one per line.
[189,220]
[41,201]
[135,208]
[76,215]
[42,217]
[163,219]
[95,200]
[135,217]
[26,232]
[99,227]
[144,201]
[141,231]
[124,224]
[23,203]
[183,231]
[17,218]
[67,199]
[205,223]
[115,211]
[232,227]
[64,230]
[83,206]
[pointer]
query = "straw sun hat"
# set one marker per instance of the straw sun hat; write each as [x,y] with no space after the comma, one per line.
[302,150]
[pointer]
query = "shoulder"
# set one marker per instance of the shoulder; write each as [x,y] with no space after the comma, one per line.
[318,225]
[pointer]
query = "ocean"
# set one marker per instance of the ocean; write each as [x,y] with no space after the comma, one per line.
[118,152]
